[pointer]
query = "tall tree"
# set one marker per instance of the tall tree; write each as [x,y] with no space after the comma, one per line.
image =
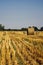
[1,27]
[41,29]
[35,28]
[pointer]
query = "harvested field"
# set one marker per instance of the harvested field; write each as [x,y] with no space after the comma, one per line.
[19,49]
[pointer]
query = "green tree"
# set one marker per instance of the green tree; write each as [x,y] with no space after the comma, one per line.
[41,29]
[35,28]
[1,27]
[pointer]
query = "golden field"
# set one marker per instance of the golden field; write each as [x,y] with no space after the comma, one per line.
[20,49]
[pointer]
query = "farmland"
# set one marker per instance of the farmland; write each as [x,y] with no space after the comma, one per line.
[20,49]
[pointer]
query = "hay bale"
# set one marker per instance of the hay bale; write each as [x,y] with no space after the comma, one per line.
[31,31]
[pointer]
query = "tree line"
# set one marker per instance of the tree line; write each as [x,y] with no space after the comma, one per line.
[2,27]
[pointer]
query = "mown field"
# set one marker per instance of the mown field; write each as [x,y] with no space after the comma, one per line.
[19,49]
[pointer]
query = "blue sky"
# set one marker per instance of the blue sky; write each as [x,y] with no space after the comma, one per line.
[21,13]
